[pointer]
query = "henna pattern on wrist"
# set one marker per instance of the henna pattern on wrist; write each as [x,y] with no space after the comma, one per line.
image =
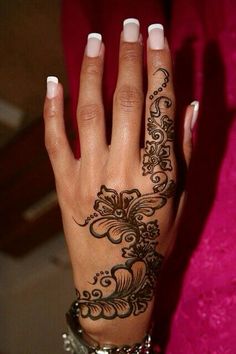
[126,218]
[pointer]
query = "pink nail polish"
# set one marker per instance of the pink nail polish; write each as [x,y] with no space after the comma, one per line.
[131,30]
[156,36]
[52,85]
[195,105]
[93,45]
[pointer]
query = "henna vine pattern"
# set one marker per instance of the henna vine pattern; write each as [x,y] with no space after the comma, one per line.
[125,218]
[156,159]
[128,287]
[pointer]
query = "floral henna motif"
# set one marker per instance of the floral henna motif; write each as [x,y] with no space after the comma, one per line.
[156,159]
[128,287]
[123,218]
[125,291]
[120,213]
[156,154]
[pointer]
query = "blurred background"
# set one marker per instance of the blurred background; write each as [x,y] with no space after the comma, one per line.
[36,285]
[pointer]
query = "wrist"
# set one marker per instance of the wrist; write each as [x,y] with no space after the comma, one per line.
[78,341]
[118,331]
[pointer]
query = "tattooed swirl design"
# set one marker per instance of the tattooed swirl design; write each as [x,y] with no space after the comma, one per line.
[160,127]
[126,218]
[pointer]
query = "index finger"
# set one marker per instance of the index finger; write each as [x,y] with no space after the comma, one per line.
[90,110]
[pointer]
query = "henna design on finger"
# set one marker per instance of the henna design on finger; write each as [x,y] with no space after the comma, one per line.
[163,85]
[160,127]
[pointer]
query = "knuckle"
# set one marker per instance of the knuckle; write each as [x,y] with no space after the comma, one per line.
[87,197]
[129,54]
[88,112]
[164,103]
[171,97]
[119,177]
[53,145]
[128,98]
[92,68]
[50,111]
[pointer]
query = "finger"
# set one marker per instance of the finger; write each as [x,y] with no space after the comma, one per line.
[56,142]
[190,119]
[189,122]
[90,111]
[128,97]
[160,105]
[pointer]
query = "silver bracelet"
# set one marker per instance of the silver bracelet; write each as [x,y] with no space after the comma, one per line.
[75,343]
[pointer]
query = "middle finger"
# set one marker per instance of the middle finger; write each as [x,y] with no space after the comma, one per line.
[128,97]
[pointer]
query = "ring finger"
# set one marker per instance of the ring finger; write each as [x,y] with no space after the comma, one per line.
[160,106]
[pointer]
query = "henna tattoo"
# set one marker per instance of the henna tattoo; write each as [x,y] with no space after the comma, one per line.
[126,218]
[156,159]
[164,84]
[127,288]
[121,212]
[88,219]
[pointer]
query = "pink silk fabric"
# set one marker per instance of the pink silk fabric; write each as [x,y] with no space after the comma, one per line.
[203,38]
[196,300]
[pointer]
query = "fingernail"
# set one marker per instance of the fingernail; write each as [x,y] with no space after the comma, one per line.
[52,85]
[131,30]
[156,36]
[195,105]
[94,45]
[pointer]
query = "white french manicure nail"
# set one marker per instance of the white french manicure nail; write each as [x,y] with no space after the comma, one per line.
[131,30]
[52,85]
[195,105]
[93,45]
[156,36]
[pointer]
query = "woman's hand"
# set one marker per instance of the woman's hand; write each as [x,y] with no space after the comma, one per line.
[118,202]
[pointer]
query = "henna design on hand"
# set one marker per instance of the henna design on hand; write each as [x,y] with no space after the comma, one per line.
[128,287]
[126,218]
[121,212]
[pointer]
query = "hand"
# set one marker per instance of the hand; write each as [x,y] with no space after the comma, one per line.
[119,203]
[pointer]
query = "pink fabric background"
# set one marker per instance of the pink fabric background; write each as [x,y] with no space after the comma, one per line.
[196,304]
